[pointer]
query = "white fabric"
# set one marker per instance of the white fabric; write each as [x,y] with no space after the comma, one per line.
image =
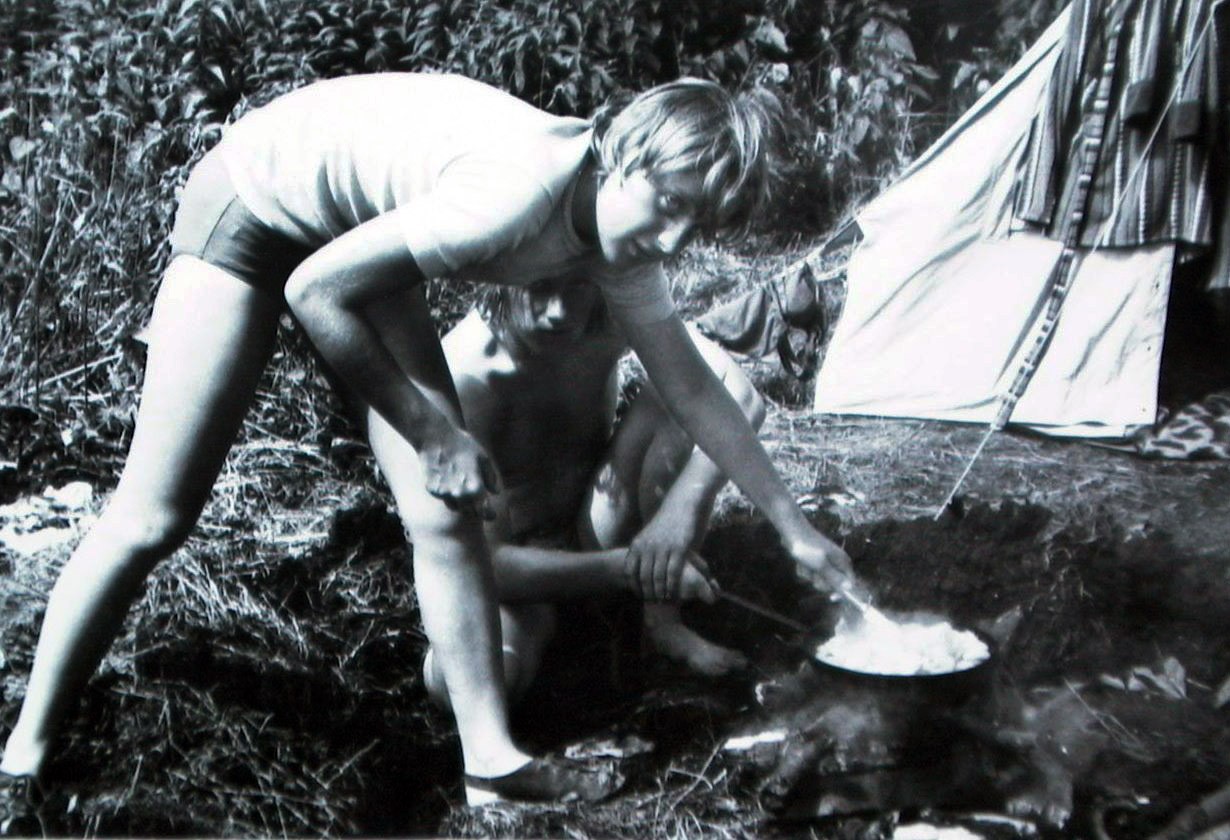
[943,292]
[947,343]
[479,179]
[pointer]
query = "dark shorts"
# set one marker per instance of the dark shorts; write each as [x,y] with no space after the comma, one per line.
[212,223]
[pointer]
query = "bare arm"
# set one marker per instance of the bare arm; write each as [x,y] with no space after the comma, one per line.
[675,512]
[691,496]
[530,574]
[701,405]
[329,294]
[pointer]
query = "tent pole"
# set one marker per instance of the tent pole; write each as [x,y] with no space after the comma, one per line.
[1062,274]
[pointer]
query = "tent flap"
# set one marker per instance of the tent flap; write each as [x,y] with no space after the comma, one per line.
[944,287]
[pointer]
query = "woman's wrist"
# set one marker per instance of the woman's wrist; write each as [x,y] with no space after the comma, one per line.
[792,526]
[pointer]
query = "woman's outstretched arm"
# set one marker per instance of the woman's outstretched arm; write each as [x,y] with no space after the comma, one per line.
[702,406]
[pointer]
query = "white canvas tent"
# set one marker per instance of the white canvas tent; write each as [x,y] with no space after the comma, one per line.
[944,287]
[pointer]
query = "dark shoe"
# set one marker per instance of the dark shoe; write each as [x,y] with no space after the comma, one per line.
[21,801]
[546,780]
[802,309]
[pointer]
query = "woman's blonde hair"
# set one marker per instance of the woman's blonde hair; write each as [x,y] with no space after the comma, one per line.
[696,125]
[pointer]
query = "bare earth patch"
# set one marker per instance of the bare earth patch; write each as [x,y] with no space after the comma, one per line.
[268,683]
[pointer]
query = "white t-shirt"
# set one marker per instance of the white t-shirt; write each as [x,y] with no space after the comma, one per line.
[481,181]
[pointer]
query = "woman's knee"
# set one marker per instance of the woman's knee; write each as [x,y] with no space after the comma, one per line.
[145,532]
[446,537]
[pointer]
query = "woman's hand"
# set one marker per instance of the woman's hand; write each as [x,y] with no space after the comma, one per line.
[824,564]
[458,471]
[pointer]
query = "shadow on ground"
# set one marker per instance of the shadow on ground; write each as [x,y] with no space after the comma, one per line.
[260,690]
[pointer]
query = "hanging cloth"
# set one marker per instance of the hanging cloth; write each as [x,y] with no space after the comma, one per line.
[1166,75]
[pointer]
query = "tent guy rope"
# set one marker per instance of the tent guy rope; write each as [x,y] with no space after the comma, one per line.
[1065,268]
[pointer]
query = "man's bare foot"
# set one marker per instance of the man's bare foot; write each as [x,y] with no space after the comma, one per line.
[674,640]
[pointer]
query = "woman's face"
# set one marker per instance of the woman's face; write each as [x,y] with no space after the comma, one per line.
[644,218]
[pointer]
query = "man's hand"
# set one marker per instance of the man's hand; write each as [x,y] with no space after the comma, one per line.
[458,471]
[661,566]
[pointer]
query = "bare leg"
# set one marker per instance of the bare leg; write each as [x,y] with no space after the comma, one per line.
[646,457]
[452,562]
[456,588]
[456,592]
[210,339]
[526,629]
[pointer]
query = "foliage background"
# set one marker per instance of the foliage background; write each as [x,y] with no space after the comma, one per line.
[104,104]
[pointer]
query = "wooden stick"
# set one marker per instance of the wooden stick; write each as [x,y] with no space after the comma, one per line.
[761,611]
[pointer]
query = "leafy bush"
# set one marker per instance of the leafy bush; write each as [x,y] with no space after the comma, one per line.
[105,103]
[94,127]
[853,83]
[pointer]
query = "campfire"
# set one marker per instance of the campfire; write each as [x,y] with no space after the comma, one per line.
[1008,687]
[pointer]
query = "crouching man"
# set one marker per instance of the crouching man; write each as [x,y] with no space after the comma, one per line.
[588,506]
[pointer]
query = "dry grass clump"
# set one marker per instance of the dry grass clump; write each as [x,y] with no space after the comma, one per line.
[695,803]
[266,683]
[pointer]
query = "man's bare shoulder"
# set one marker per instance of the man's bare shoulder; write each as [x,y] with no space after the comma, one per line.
[473,349]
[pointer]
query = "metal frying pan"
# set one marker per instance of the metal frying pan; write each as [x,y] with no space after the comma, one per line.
[957,679]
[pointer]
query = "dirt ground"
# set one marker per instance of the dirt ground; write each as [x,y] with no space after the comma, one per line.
[269,682]
[1103,576]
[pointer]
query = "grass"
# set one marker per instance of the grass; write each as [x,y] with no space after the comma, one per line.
[267,682]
